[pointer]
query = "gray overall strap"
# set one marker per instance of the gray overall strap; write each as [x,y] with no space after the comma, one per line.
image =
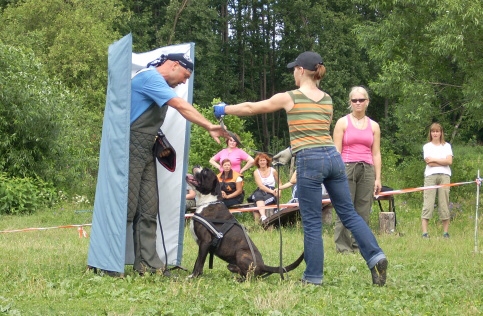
[150,121]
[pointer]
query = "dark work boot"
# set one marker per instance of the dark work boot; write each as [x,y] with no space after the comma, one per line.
[379,272]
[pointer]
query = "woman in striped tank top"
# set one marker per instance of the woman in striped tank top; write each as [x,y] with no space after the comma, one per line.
[309,114]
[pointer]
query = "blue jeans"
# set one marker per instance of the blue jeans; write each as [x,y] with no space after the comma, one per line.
[323,165]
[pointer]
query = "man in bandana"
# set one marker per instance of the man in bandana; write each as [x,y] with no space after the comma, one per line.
[151,94]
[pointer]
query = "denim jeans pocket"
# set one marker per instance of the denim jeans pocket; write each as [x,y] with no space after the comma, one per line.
[310,164]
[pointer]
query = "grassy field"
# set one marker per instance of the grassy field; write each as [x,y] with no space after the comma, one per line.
[44,273]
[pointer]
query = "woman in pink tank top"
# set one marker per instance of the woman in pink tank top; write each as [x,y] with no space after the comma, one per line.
[358,139]
[235,154]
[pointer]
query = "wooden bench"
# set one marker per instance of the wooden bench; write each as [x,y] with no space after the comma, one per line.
[242,205]
[290,215]
[236,206]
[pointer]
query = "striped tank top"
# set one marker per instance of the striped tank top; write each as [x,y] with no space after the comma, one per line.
[309,121]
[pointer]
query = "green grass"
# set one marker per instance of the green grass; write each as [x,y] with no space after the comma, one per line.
[44,273]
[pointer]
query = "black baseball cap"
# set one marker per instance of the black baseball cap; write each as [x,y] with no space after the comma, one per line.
[307,60]
[183,59]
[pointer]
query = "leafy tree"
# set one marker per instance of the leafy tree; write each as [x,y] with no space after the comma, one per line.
[70,37]
[146,18]
[69,40]
[200,22]
[40,138]
[431,62]
[242,49]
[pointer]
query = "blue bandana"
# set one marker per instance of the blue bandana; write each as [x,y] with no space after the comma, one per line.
[183,59]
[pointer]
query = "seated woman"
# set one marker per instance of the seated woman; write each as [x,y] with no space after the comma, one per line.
[231,184]
[266,178]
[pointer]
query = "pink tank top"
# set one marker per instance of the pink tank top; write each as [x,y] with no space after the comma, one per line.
[357,144]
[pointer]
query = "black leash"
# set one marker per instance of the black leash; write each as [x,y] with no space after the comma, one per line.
[239,143]
[165,271]
[280,268]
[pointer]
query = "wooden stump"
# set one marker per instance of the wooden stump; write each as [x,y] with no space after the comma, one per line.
[327,214]
[387,222]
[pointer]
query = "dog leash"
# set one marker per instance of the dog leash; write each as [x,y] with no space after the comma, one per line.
[250,246]
[165,269]
[239,143]
[280,229]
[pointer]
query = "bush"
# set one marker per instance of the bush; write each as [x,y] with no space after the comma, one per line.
[24,195]
[44,128]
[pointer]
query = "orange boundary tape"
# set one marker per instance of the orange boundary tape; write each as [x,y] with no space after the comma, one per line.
[80,229]
[423,188]
[326,201]
[83,233]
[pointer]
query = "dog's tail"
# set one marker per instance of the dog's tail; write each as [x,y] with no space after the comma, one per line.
[268,270]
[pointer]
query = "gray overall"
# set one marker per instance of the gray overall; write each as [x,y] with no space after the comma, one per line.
[143,195]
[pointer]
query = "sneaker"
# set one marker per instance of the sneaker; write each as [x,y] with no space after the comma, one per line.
[263,218]
[446,235]
[425,235]
[379,272]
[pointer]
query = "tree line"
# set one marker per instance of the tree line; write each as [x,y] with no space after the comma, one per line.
[420,60]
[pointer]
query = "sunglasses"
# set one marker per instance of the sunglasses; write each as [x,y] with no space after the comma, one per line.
[358,100]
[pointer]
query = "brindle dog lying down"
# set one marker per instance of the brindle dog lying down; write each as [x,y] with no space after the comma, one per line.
[234,247]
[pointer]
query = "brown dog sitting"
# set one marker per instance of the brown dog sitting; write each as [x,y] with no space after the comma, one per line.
[217,232]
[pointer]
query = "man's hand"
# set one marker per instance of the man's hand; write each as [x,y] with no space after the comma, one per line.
[219,110]
[283,157]
[217,131]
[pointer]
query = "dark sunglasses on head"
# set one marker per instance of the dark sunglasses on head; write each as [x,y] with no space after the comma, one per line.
[358,100]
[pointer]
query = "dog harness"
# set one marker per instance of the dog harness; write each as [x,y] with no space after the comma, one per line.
[218,234]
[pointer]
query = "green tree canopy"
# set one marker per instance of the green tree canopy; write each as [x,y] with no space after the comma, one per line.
[40,138]
[431,60]
[70,37]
